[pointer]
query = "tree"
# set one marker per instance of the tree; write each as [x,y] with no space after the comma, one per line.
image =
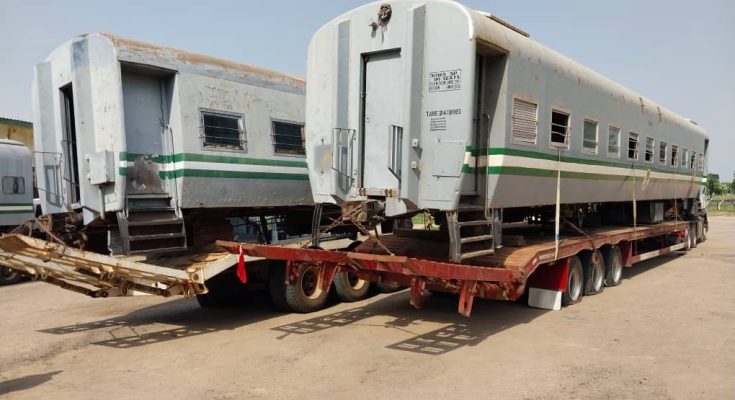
[713,184]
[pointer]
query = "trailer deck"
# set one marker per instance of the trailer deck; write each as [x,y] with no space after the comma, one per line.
[419,261]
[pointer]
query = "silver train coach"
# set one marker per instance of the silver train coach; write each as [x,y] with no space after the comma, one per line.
[141,146]
[16,194]
[430,105]
[16,176]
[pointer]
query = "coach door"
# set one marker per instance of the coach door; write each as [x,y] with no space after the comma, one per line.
[382,124]
[146,118]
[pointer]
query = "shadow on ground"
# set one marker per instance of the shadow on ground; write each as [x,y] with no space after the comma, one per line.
[188,319]
[26,382]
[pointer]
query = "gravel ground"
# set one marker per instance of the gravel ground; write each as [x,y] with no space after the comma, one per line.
[668,332]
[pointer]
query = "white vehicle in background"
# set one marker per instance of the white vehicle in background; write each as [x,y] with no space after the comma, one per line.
[16,194]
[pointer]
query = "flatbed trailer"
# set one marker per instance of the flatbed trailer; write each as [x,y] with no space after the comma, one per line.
[417,259]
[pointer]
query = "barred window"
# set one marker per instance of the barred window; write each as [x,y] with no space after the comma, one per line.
[662,150]
[674,155]
[589,141]
[559,129]
[525,122]
[14,185]
[223,130]
[684,157]
[613,142]
[650,146]
[632,146]
[693,161]
[288,138]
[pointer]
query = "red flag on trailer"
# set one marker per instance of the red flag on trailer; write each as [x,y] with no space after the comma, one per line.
[241,267]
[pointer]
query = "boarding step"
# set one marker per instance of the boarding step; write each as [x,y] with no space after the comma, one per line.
[160,236]
[480,222]
[475,239]
[479,253]
[471,232]
[150,227]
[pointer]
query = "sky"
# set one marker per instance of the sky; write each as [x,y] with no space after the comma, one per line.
[680,54]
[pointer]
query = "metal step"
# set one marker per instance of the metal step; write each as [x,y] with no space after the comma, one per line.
[154,222]
[470,207]
[158,250]
[480,222]
[475,239]
[150,229]
[478,253]
[159,236]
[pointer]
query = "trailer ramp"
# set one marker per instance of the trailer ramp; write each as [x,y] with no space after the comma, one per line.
[98,275]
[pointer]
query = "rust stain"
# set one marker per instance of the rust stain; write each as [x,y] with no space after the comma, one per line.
[193,58]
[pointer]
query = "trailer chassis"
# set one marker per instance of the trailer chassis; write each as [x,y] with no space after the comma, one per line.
[543,268]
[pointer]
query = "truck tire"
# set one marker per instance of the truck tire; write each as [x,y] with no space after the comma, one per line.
[594,277]
[9,276]
[277,286]
[349,287]
[613,266]
[688,240]
[305,294]
[694,230]
[705,228]
[575,283]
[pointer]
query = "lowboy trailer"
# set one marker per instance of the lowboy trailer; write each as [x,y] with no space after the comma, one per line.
[582,264]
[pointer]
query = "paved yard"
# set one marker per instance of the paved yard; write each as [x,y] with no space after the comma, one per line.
[667,332]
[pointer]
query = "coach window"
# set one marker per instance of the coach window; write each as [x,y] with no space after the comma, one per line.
[650,146]
[662,150]
[223,130]
[13,185]
[684,157]
[674,155]
[613,142]
[632,146]
[525,122]
[692,160]
[589,140]
[288,139]
[559,129]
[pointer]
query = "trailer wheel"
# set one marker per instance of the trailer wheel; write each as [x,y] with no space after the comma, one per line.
[277,286]
[613,266]
[594,268]
[8,276]
[575,283]
[689,240]
[704,232]
[349,287]
[306,293]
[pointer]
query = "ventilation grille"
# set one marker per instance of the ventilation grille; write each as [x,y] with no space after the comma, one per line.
[525,122]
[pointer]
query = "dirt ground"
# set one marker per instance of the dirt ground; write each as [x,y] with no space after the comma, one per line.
[668,332]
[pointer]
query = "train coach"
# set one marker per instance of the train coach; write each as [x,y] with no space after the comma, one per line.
[154,152]
[141,146]
[16,196]
[16,174]
[430,105]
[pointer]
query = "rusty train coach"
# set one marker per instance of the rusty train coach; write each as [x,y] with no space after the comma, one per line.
[539,171]
[130,134]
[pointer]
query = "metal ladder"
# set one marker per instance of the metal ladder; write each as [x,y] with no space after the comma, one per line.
[470,233]
[149,225]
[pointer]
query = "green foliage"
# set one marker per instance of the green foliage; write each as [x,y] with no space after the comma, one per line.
[713,184]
